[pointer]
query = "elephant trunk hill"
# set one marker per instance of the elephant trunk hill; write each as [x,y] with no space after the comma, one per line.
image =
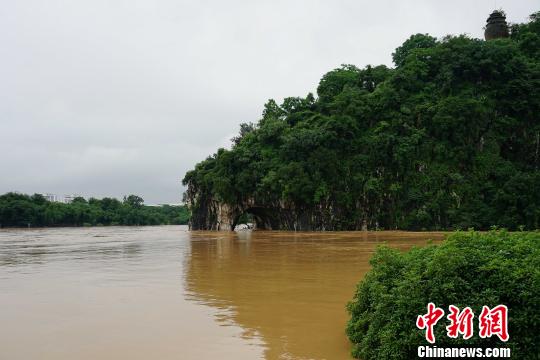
[448,138]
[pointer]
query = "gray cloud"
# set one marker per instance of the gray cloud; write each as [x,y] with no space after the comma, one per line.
[106,98]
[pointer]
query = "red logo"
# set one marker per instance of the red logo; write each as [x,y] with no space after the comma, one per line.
[429,320]
[491,322]
[460,322]
[494,322]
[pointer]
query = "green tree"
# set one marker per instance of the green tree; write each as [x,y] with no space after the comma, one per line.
[133,201]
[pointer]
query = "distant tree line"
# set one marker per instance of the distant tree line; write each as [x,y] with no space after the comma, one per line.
[20,210]
[447,139]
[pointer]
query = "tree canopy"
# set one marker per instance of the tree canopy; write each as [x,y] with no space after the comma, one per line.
[448,138]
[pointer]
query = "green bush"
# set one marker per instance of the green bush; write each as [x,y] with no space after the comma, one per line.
[468,269]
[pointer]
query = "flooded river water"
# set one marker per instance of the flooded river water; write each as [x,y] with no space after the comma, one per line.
[167,293]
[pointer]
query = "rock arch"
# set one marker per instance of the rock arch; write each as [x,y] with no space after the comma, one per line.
[264,218]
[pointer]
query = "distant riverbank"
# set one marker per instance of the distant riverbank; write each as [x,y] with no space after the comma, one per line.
[32,228]
[24,211]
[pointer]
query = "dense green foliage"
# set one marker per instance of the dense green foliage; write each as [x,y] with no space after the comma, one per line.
[448,139]
[468,269]
[18,210]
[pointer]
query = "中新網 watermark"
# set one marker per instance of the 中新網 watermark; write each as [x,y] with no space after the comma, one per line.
[491,322]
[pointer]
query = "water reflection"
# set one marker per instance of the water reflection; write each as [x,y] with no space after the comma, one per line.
[31,247]
[166,293]
[106,293]
[289,289]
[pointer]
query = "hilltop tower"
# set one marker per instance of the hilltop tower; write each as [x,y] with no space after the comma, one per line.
[496,26]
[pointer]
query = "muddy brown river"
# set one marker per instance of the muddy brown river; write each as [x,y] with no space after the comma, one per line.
[167,293]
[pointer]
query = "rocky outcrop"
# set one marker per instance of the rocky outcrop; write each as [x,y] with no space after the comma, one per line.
[209,213]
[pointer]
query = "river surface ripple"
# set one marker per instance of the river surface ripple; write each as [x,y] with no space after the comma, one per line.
[166,293]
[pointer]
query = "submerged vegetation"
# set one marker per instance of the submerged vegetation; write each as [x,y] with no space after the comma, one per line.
[469,269]
[18,210]
[448,139]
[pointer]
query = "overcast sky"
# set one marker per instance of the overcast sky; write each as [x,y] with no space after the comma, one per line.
[106,98]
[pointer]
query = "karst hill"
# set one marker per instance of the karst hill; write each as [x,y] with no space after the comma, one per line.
[448,138]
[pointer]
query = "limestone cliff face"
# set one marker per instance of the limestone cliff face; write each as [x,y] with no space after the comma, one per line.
[209,213]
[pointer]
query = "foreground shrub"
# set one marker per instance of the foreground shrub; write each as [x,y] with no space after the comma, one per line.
[468,269]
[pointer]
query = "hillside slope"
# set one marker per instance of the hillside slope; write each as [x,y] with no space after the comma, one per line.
[449,138]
